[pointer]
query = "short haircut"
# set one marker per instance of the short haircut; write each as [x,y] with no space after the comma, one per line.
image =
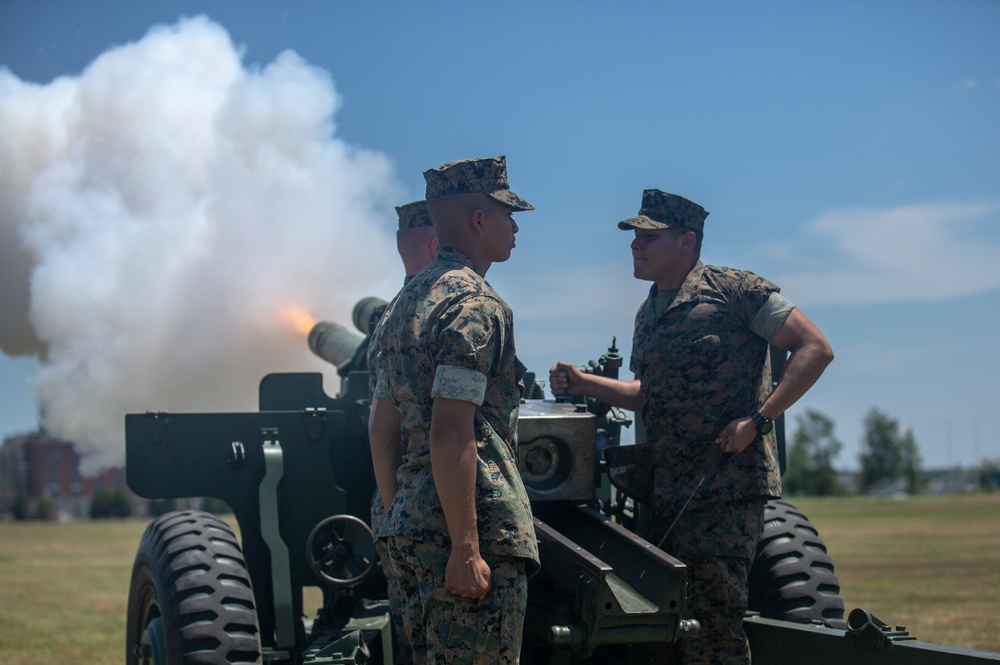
[448,212]
[677,231]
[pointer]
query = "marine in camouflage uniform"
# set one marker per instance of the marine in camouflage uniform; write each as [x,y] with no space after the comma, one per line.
[447,341]
[702,363]
[702,366]
[417,244]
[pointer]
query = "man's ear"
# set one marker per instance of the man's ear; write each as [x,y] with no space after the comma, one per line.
[688,241]
[477,218]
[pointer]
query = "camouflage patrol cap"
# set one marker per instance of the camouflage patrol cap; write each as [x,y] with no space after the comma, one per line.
[413,215]
[487,175]
[661,210]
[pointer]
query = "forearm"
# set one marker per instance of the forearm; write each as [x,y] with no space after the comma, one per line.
[386,447]
[802,369]
[567,379]
[809,353]
[616,392]
[454,465]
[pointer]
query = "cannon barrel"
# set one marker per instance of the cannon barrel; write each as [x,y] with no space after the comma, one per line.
[336,344]
[367,313]
[333,342]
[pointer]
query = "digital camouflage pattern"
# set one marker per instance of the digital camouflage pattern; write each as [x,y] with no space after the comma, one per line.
[661,210]
[413,215]
[446,628]
[486,175]
[718,543]
[445,327]
[701,366]
[404,653]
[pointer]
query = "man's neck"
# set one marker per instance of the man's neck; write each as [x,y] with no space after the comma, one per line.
[676,279]
[481,263]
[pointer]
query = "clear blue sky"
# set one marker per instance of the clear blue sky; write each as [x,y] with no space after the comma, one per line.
[849,151]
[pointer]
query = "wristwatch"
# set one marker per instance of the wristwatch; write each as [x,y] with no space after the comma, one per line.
[764,424]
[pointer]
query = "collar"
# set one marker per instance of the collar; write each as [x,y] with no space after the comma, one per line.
[690,289]
[450,254]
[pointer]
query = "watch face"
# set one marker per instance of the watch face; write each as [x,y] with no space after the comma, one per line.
[764,425]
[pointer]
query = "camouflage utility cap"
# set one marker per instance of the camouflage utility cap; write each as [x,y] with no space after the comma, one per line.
[487,175]
[413,215]
[661,210]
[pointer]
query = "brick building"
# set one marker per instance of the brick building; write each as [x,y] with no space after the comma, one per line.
[47,469]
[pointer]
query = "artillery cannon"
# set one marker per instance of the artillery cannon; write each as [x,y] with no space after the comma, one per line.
[298,476]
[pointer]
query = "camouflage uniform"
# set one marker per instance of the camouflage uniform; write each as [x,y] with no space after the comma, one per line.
[701,355]
[702,366]
[411,215]
[449,334]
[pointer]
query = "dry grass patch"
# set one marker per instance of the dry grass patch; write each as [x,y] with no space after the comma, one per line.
[64,591]
[931,564]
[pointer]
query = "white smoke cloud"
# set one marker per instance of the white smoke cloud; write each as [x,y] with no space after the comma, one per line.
[158,213]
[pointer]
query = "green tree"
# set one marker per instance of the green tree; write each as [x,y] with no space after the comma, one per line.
[916,479]
[22,506]
[989,475]
[121,505]
[26,509]
[110,504]
[44,509]
[100,505]
[814,446]
[888,454]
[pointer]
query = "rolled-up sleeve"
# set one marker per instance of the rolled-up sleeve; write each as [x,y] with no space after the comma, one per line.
[771,316]
[462,383]
[470,336]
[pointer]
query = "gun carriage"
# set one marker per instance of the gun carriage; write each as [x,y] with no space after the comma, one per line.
[297,475]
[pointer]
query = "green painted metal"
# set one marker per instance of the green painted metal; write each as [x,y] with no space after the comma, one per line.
[779,642]
[603,593]
[284,620]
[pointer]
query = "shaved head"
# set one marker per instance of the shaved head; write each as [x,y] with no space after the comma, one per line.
[417,246]
[476,224]
[450,213]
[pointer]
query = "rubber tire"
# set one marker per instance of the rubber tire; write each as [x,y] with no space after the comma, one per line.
[792,577]
[189,572]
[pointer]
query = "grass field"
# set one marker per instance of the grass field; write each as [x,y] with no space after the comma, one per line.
[931,564]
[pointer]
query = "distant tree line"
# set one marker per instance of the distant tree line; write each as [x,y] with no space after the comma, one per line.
[110,504]
[809,463]
[26,509]
[888,453]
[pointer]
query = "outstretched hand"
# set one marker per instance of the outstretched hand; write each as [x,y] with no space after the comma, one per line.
[565,379]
